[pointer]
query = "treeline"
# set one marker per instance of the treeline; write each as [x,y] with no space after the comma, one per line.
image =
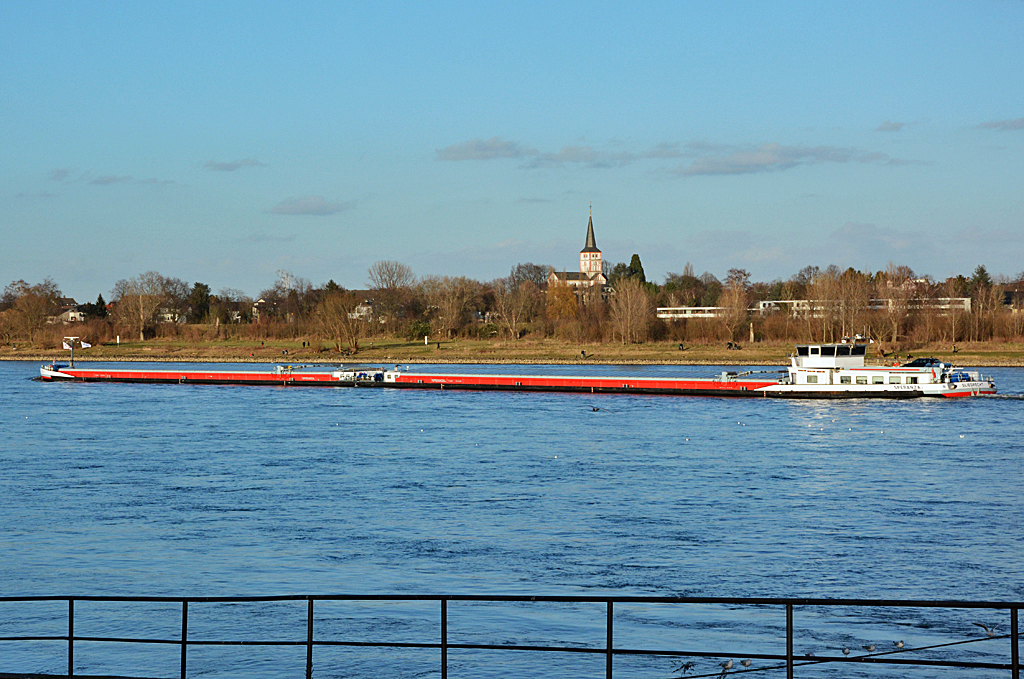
[894,305]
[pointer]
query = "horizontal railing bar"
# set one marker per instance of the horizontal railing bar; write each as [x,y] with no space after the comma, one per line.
[128,640]
[872,660]
[380,644]
[580,649]
[768,656]
[751,601]
[931,663]
[513,647]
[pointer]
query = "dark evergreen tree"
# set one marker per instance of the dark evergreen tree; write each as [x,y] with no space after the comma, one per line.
[97,310]
[636,269]
[980,280]
[199,302]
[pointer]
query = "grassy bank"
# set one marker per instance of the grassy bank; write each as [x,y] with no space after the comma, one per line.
[484,351]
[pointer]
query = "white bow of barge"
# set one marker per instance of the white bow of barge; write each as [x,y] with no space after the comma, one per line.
[815,371]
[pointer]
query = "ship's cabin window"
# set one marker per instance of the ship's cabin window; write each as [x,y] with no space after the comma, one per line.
[862,379]
[843,350]
[844,379]
[828,351]
[911,380]
[801,351]
[895,379]
[812,379]
[859,350]
[878,379]
[815,351]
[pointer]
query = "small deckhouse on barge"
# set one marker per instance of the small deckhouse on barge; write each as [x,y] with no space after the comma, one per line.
[815,371]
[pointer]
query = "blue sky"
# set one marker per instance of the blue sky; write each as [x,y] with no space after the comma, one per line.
[222,142]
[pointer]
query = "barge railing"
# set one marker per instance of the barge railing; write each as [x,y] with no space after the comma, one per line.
[789,661]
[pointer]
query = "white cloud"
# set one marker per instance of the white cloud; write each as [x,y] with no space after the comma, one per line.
[890,126]
[709,159]
[108,179]
[233,165]
[484,149]
[776,157]
[262,237]
[310,205]
[1005,125]
[111,179]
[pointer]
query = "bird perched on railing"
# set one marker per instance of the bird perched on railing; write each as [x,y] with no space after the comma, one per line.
[898,644]
[869,648]
[726,666]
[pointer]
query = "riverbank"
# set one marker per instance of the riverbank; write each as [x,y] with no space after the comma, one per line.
[488,351]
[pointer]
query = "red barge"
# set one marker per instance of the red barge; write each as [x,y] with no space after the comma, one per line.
[816,371]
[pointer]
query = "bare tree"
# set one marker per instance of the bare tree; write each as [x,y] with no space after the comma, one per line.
[534,273]
[735,299]
[390,282]
[561,303]
[451,298]
[854,295]
[29,307]
[631,311]
[389,274]
[292,297]
[136,301]
[824,301]
[338,321]
[896,289]
[515,302]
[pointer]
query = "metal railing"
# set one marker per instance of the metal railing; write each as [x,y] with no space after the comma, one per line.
[788,661]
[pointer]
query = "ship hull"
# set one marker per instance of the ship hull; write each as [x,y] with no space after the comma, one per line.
[379,378]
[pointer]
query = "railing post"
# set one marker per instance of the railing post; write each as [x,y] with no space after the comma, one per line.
[71,637]
[789,641]
[444,639]
[608,642]
[1014,643]
[184,635]
[309,640]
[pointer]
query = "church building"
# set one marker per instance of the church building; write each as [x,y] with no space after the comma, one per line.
[591,271]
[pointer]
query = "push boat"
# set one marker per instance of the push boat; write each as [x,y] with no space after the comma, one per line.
[815,371]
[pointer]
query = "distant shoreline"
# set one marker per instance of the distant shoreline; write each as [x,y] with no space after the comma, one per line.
[387,360]
[541,351]
[973,362]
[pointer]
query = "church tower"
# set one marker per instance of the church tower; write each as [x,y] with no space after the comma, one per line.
[590,256]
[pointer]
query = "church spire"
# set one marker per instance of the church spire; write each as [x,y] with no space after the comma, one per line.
[590,256]
[591,244]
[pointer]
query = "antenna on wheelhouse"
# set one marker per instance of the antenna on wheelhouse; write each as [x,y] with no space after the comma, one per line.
[69,343]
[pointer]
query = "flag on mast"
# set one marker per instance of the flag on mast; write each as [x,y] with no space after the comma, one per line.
[67,346]
[86,345]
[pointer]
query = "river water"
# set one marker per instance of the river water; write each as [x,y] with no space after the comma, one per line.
[184,490]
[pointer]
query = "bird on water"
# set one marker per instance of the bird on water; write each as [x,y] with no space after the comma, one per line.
[685,667]
[989,631]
